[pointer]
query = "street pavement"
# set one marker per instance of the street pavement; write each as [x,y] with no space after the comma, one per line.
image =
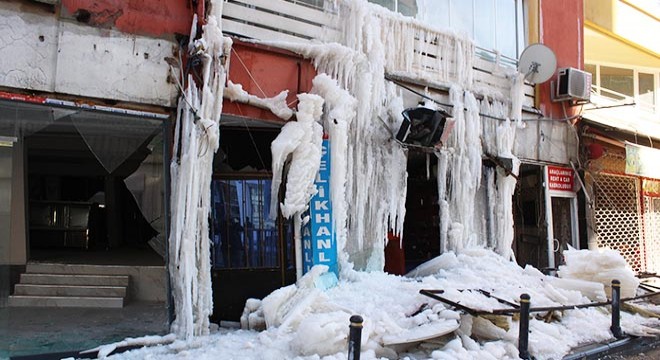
[644,349]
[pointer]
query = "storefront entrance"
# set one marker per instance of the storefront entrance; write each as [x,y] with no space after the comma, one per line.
[252,249]
[545,215]
[94,190]
[87,191]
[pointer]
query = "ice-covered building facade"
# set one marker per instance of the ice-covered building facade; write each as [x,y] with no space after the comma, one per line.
[360,65]
[349,68]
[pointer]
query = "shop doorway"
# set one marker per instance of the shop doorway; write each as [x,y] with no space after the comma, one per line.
[421,240]
[530,246]
[94,191]
[545,216]
[252,252]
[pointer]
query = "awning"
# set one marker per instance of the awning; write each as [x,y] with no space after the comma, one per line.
[621,117]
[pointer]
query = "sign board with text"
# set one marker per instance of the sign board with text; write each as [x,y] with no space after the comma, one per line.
[642,161]
[319,244]
[560,179]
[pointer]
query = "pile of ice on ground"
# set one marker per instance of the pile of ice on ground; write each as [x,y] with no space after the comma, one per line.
[310,321]
[600,266]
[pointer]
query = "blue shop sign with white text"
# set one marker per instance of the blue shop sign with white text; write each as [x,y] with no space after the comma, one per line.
[319,245]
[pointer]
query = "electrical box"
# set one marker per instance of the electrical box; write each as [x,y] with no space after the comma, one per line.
[573,84]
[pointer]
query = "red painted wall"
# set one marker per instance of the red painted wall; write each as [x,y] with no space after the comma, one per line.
[265,71]
[561,30]
[145,17]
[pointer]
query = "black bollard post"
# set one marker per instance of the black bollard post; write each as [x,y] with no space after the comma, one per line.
[523,333]
[616,309]
[355,337]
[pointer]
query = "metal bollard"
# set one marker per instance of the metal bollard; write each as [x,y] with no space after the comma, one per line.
[355,337]
[616,309]
[523,333]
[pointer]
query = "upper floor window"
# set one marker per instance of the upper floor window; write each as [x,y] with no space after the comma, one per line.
[494,25]
[626,83]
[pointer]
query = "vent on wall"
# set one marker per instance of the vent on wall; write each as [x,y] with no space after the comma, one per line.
[573,84]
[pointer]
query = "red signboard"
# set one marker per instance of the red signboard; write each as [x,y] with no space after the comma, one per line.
[560,178]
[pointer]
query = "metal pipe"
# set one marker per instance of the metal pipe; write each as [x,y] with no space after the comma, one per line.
[355,337]
[550,236]
[604,139]
[598,350]
[297,242]
[616,309]
[523,333]
[433,294]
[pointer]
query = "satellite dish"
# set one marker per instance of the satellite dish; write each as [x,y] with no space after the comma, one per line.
[538,63]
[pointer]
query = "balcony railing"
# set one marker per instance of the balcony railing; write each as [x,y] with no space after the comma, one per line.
[306,20]
[623,98]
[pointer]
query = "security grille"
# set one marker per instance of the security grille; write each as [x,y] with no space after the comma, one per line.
[652,233]
[617,214]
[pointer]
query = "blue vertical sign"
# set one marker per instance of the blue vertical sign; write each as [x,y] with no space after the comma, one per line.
[319,244]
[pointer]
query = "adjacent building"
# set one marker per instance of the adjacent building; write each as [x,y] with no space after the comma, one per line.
[619,132]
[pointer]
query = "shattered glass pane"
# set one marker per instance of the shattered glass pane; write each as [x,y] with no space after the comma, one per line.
[113,138]
[22,119]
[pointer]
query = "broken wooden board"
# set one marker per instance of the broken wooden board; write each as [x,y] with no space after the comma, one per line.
[423,332]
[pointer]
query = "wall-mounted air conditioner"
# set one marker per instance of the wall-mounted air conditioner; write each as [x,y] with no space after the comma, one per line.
[573,84]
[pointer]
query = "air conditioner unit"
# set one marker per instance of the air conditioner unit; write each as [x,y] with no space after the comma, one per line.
[573,84]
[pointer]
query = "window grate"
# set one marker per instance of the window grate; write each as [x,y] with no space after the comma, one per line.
[652,233]
[617,216]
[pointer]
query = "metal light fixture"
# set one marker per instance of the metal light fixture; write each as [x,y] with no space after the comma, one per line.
[424,127]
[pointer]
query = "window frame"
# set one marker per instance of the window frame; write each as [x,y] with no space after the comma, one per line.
[283,257]
[597,87]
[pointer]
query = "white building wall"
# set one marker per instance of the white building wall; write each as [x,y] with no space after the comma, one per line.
[28,43]
[544,140]
[42,53]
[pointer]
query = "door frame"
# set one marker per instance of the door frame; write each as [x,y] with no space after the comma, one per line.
[548,195]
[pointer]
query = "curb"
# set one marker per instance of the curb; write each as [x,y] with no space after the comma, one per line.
[592,351]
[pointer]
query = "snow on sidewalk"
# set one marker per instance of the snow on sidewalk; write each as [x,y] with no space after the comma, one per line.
[307,322]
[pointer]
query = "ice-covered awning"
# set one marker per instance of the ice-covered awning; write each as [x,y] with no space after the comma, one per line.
[622,117]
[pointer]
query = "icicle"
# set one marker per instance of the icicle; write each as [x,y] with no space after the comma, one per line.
[445,219]
[197,132]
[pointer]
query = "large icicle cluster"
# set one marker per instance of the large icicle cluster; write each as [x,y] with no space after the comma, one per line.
[196,140]
[378,42]
[374,166]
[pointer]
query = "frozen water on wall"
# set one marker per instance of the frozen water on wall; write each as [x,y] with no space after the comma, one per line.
[369,168]
[377,42]
[340,111]
[300,141]
[196,140]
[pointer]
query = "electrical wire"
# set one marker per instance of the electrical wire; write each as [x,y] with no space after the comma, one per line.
[249,73]
[464,109]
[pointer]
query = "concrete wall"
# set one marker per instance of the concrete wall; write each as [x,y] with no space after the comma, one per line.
[561,29]
[67,56]
[558,25]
